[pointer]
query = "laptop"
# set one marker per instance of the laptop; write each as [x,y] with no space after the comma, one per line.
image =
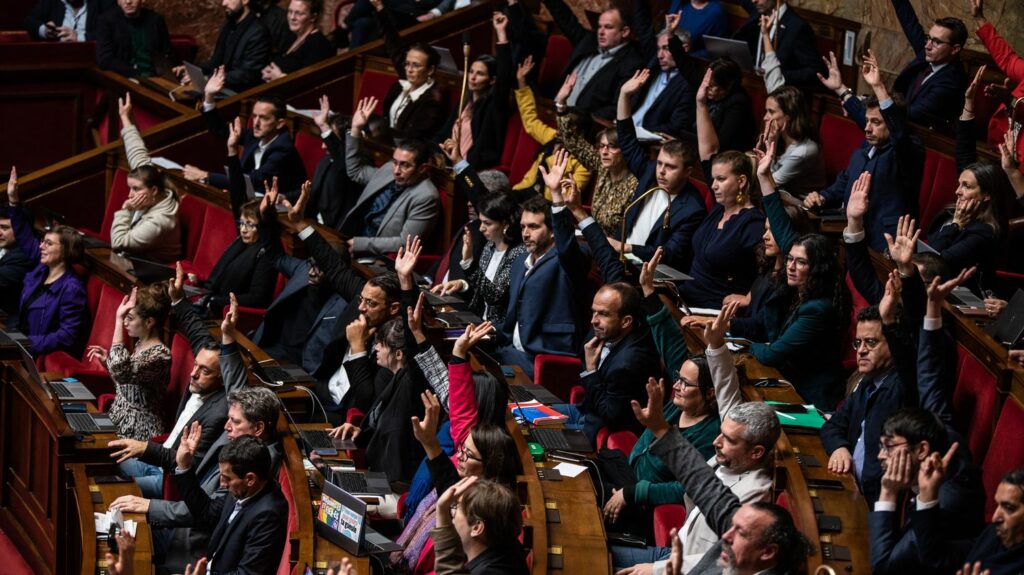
[357,482]
[517,393]
[552,438]
[924,248]
[90,422]
[71,390]
[1009,326]
[736,49]
[966,301]
[150,272]
[195,76]
[436,300]
[277,375]
[341,519]
[458,319]
[447,61]
[668,273]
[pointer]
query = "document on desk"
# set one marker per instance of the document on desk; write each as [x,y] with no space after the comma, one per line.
[105,520]
[569,469]
[167,163]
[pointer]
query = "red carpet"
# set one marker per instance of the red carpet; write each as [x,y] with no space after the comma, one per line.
[11,559]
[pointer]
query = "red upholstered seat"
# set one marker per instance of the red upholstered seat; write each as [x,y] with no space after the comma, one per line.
[293,522]
[558,373]
[218,233]
[310,149]
[191,214]
[858,303]
[839,138]
[938,187]
[513,131]
[182,361]
[556,58]
[974,404]
[184,47]
[523,155]
[1006,451]
[705,192]
[118,194]
[622,440]
[667,517]
[376,84]
[92,373]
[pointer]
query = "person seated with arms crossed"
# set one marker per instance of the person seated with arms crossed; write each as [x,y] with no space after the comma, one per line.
[250,523]
[398,199]
[601,60]
[799,330]
[243,48]
[890,152]
[252,411]
[933,82]
[309,45]
[998,550]
[706,385]
[268,148]
[476,404]
[478,528]
[731,527]
[615,182]
[542,315]
[14,264]
[795,44]
[140,375]
[147,223]
[67,21]
[133,41]
[548,138]
[213,377]
[665,106]
[52,311]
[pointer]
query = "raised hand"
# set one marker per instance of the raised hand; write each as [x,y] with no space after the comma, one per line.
[764,161]
[857,205]
[977,9]
[188,445]
[973,87]
[647,272]
[361,117]
[640,77]
[675,560]
[323,119]
[227,325]
[889,303]
[932,473]
[500,22]
[124,110]
[425,430]
[714,331]
[523,70]
[702,91]
[406,259]
[553,177]
[672,22]
[415,318]
[1007,154]
[651,416]
[198,569]
[175,290]
[234,136]
[902,248]
[869,69]
[563,93]
[467,243]
[12,187]
[469,338]
[122,564]
[834,80]
[938,290]
[214,85]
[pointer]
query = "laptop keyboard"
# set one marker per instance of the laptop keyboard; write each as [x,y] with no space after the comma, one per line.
[82,422]
[351,481]
[276,374]
[550,438]
[317,439]
[520,393]
[61,390]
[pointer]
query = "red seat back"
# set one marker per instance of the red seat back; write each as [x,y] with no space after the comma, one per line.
[623,441]
[513,133]
[102,332]
[839,138]
[556,58]
[974,403]
[667,516]
[191,213]
[1006,451]
[705,192]
[218,233]
[938,187]
[558,373]
[118,194]
[182,361]
[376,84]
[857,303]
[284,568]
[310,149]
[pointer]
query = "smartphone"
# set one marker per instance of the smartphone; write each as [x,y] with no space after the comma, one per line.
[326,452]
[789,408]
[829,524]
[101,479]
[825,484]
[508,372]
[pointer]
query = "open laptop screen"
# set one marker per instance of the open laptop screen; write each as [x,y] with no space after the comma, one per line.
[343,516]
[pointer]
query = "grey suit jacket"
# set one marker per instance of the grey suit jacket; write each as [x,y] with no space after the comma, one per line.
[415,211]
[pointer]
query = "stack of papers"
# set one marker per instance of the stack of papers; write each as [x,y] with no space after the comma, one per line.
[105,520]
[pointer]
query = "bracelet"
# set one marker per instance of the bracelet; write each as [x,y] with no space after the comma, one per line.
[848,92]
[557,204]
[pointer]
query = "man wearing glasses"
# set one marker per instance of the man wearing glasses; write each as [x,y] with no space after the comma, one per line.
[933,83]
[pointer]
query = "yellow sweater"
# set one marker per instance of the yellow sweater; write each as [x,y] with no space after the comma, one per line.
[543,134]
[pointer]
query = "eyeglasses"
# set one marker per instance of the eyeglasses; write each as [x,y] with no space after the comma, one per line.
[870,342]
[684,383]
[369,302]
[247,225]
[936,41]
[465,455]
[607,147]
[883,447]
[799,262]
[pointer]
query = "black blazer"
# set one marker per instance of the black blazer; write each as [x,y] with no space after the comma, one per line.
[254,541]
[795,46]
[602,92]
[280,159]
[114,42]
[674,110]
[53,11]
[314,48]
[246,271]
[333,193]
[490,115]
[243,49]
[424,117]
[13,267]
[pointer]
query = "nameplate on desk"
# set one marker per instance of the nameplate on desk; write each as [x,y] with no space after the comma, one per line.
[551,513]
[555,557]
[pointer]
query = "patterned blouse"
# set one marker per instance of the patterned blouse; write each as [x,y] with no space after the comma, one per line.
[488,295]
[140,379]
[610,197]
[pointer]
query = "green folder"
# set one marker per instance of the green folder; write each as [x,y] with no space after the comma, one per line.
[812,419]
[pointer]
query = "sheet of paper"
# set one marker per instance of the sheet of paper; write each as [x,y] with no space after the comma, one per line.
[704,311]
[167,163]
[569,469]
[311,114]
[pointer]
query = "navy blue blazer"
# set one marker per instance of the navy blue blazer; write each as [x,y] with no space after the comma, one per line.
[53,11]
[937,102]
[280,159]
[674,110]
[895,175]
[687,209]
[795,46]
[942,554]
[544,303]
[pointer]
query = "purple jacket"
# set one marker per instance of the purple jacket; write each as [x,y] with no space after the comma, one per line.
[56,320]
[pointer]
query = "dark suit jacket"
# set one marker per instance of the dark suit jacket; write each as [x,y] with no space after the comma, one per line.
[53,11]
[468,188]
[673,111]
[13,267]
[544,303]
[491,113]
[424,117]
[687,209]
[895,176]
[795,46]
[243,49]
[280,159]
[937,102]
[601,94]
[114,42]
[254,541]
[333,193]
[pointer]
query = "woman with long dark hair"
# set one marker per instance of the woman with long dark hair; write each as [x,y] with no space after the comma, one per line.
[798,168]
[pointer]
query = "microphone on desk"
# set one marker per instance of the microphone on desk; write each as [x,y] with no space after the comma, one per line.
[622,228]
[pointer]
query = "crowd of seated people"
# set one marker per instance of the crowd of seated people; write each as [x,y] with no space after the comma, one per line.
[531,261]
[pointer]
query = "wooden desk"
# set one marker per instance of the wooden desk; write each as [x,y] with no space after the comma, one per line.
[89,498]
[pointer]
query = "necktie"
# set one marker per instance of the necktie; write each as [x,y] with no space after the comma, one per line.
[858,450]
[927,71]
[235,512]
[380,205]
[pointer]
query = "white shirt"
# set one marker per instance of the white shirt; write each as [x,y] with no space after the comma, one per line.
[771,35]
[406,98]
[73,20]
[651,213]
[195,401]
[257,156]
[339,384]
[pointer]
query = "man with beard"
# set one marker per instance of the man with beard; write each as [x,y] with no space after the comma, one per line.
[243,48]
[730,526]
